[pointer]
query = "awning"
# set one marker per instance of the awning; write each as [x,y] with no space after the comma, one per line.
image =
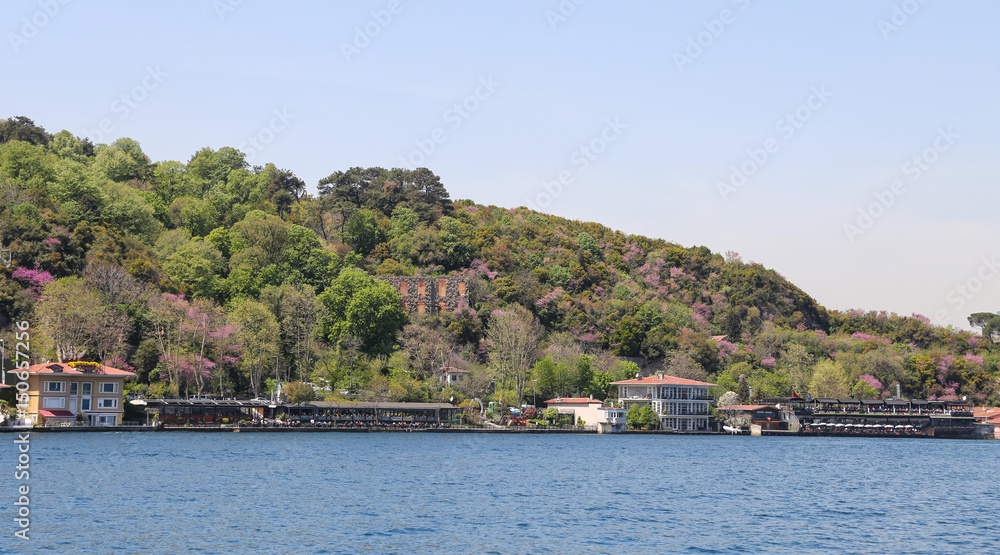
[57,414]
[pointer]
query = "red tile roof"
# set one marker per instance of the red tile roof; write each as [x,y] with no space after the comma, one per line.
[987,414]
[662,380]
[64,368]
[572,401]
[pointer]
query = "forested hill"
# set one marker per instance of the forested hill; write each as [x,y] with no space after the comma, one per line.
[201,275]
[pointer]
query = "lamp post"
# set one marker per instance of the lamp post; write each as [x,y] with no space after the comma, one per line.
[276,382]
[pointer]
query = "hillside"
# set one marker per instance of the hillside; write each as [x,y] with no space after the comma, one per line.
[204,275]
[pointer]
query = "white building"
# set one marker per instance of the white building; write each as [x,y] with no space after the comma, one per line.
[681,404]
[449,376]
[591,411]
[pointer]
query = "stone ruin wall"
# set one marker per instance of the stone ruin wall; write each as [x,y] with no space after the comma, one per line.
[438,293]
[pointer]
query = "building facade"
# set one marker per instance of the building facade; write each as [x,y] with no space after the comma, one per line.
[681,404]
[59,392]
[450,377]
[591,412]
[430,295]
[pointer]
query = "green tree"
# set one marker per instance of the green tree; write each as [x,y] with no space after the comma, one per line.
[829,380]
[551,414]
[199,264]
[258,330]
[299,392]
[122,160]
[20,128]
[988,322]
[361,232]
[513,339]
[641,417]
[363,307]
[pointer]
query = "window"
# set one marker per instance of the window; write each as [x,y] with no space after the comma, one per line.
[107,403]
[420,288]
[107,420]
[442,288]
[107,387]
[53,402]
[402,289]
[73,386]
[86,387]
[84,404]
[55,387]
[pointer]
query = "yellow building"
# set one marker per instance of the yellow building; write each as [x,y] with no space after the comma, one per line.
[58,392]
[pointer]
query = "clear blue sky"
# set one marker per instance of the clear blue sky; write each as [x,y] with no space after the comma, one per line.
[662,120]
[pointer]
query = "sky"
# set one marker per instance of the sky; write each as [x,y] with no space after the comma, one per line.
[849,145]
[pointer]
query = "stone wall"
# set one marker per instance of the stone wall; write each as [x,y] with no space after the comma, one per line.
[430,295]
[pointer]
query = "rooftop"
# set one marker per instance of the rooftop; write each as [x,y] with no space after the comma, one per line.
[987,414]
[67,368]
[662,379]
[573,401]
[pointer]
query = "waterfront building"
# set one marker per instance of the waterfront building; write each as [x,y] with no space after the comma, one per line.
[340,413]
[591,411]
[767,417]
[990,416]
[681,404]
[202,411]
[60,392]
[885,417]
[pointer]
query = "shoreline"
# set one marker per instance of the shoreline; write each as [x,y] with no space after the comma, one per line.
[319,429]
[376,430]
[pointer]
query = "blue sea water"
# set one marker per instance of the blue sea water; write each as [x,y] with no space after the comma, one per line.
[176,492]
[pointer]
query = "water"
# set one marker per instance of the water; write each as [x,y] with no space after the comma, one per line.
[405,493]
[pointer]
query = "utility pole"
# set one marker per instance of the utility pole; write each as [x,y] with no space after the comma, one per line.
[276,382]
